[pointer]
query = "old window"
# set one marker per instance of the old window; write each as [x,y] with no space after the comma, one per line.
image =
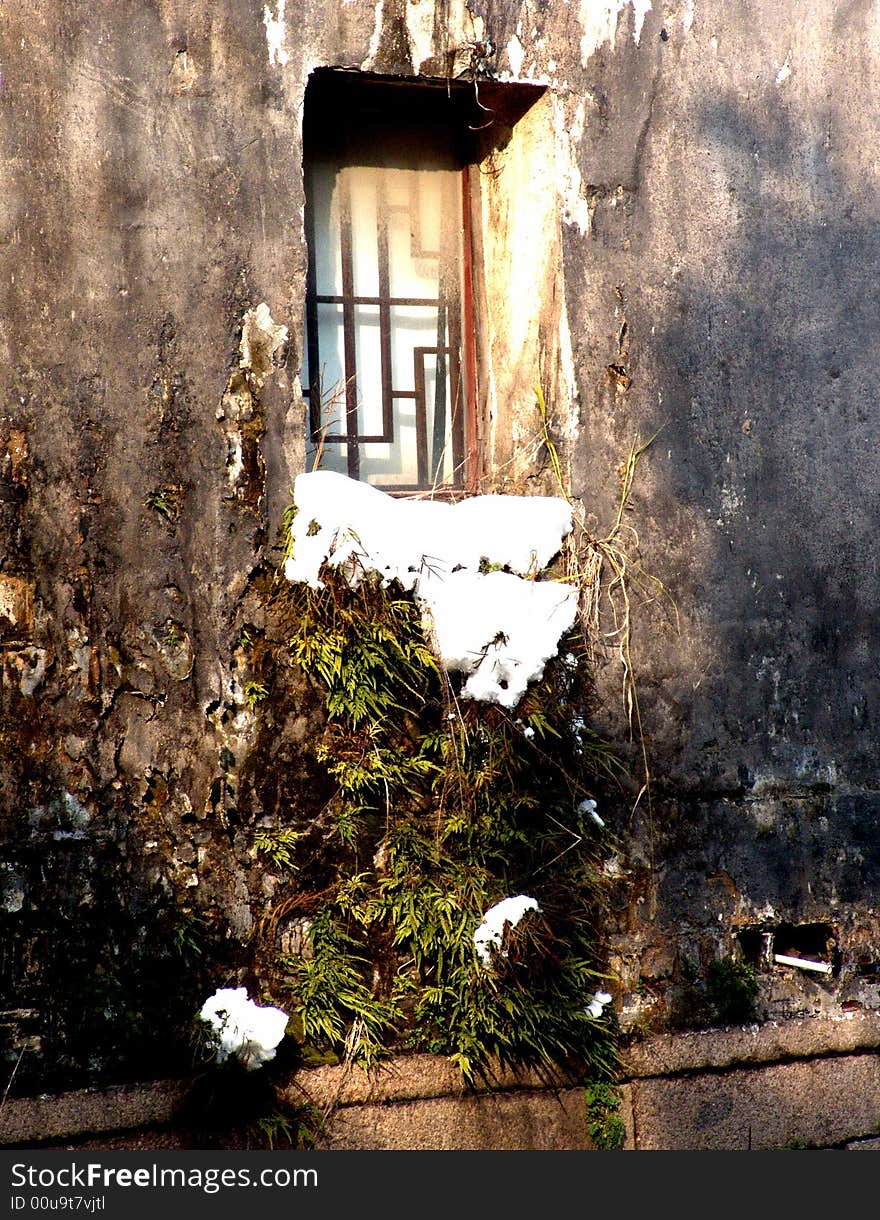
[389,328]
[392,175]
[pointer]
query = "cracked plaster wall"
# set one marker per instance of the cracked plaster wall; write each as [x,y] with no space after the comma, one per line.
[709,177]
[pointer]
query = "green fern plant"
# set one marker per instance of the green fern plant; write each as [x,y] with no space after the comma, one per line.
[443,807]
[165,501]
[278,846]
[294,1127]
[605,1126]
[254,693]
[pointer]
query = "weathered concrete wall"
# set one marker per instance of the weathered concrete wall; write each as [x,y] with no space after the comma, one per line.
[152,195]
[712,181]
[732,207]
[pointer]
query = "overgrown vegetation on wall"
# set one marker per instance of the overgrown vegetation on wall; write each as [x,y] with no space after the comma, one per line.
[441,807]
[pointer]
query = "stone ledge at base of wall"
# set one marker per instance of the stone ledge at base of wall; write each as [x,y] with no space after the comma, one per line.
[420,1102]
[414,1102]
[504,1121]
[743,1045]
[404,1078]
[794,1084]
[25,1120]
[811,1083]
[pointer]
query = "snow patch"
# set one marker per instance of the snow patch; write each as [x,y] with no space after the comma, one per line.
[596,1003]
[589,808]
[242,1028]
[489,936]
[498,628]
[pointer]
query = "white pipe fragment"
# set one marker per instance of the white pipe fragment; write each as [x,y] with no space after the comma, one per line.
[803,962]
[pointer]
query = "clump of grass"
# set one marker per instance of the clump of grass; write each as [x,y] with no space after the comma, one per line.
[732,990]
[165,501]
[171,635]
[296,1127]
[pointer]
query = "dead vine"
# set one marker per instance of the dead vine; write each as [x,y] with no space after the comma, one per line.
[608,573]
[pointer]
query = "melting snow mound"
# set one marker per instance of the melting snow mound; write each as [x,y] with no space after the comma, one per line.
[498,628]
[242,1028]
[489,935]
[597,1002]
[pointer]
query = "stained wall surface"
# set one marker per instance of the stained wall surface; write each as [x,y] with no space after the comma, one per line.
[704,276]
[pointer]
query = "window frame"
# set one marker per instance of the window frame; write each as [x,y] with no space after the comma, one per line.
[333,91]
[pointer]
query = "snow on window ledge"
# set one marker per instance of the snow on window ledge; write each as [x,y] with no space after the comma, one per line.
[497,628]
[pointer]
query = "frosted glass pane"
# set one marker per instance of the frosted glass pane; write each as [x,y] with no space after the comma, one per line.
[326,249]
[330,373]
[333,457]
[393,236]
[440,455]
[369,370]
[362,186]
[410,328]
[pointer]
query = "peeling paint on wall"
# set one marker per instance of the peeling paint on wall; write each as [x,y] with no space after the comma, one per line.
[16,606]
[420,28]
[376,36]
[275,34]
[433,36]
[262,339]
[515,56]
[599,18]
[641,8]
[569,117]
[524,298]
[261,349]
[183,74]
[31,664]
[567,386]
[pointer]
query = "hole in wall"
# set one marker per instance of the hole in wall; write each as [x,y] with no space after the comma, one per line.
[811,942]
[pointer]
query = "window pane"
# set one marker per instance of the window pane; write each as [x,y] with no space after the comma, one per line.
[384,327]
[369,370]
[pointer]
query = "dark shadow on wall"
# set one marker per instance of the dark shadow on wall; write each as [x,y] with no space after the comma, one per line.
[767,792]
[770,372]
[100,978]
